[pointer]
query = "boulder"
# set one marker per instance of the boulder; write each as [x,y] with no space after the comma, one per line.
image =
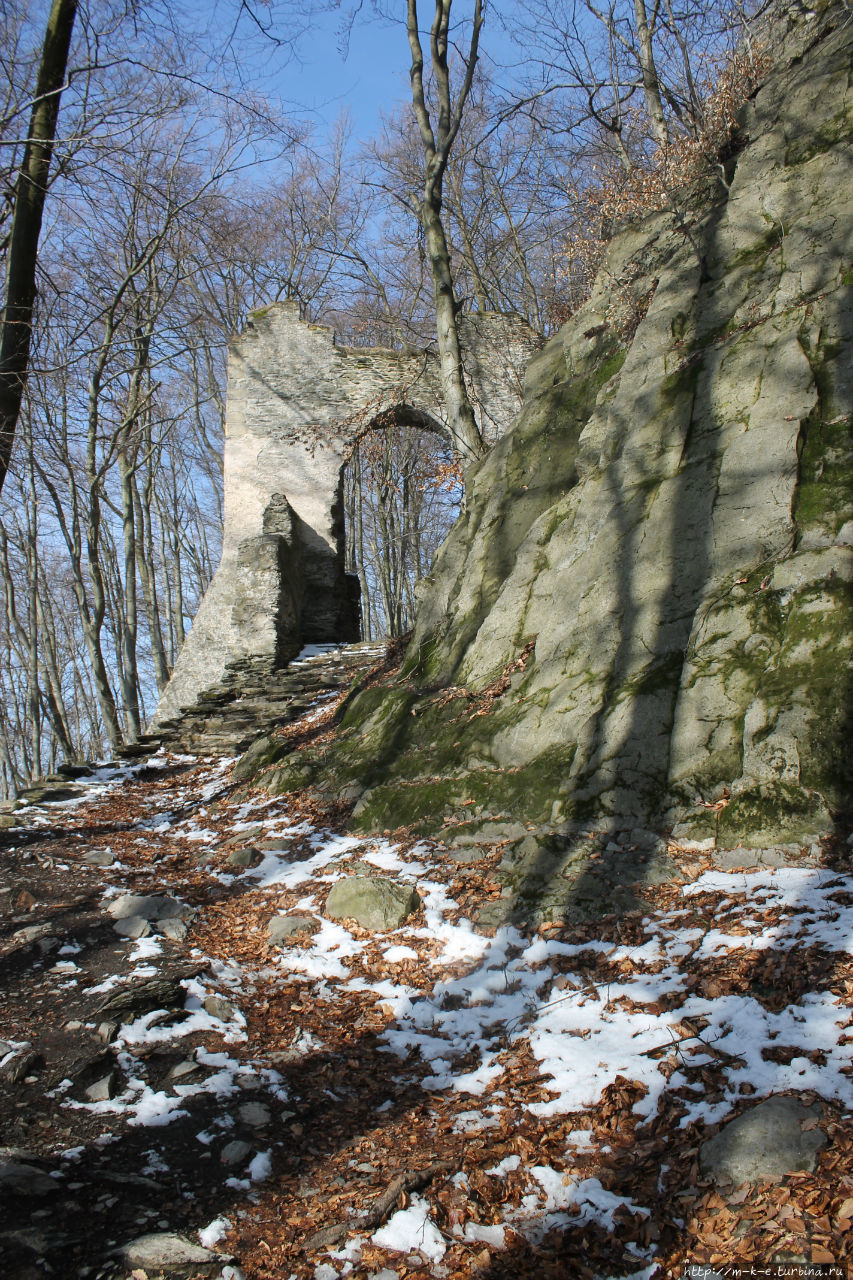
[102,1090]
[172,928]
[20,1066]
[246,857]
[132,927]
[25,1180]
[99,858]
[189,1067]
[255,1114]
[142,997]
[33,932]
[47,793]
[764,1143]
[164,1250]
[264,751]
[282,927]
[219,1008]
[235,1152]
[374,902]
[70,770]
[149,907]
[662,615]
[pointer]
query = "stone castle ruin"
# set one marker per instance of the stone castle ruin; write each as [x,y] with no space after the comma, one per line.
[297,404]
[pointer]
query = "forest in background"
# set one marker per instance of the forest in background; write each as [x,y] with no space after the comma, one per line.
[181,197]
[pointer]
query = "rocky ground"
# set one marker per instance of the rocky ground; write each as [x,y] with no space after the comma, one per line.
[238,1041]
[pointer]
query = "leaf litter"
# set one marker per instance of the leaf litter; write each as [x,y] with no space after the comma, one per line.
[444,1099]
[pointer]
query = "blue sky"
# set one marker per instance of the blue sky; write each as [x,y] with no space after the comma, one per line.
[322,78]
[373,75]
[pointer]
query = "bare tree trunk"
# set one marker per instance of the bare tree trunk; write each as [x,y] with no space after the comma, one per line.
[85,709]
[694,104]
[651,83]
[177,570]
[384,542]
[91,617]
[171,633]
[458,198]
[355,478]
[53,693]
[437,144]
[127,463]
[148,578]
[11,777]
[33,699]
[129,622]
[93,620]
[30,193]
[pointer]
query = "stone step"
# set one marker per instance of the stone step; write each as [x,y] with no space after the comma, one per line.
[252,700]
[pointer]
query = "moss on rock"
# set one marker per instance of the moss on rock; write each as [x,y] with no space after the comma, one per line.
[426,803]
[772,814]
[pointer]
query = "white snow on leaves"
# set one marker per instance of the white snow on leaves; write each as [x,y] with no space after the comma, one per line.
[491,991]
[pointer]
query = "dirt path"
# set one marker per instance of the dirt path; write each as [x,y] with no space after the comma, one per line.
[440,1099]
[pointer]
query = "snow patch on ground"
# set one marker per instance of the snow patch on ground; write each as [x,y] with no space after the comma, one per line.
[487,996]
[412,1230]
[215,1231]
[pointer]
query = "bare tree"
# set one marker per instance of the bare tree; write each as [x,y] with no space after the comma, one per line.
[648,67]
[402,492]
[29,198]
[438,131]
[507,213]
[626,77]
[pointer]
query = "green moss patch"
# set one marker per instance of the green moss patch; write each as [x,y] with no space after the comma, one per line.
[824,498]
[816,141]
[427,803]
[756,254]
[814,671]
[263,752]
[772,814]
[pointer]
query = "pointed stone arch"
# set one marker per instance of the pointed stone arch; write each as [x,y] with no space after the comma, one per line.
[385,588]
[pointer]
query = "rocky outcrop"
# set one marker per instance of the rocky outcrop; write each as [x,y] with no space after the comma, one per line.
[643,618]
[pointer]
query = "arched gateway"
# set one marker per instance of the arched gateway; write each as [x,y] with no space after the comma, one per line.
[297,403]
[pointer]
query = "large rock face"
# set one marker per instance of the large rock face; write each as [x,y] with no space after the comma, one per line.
[662,548]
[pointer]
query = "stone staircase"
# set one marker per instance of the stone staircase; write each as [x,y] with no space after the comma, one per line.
[254,698]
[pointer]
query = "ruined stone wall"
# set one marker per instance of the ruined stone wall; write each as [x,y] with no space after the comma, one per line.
[297,403]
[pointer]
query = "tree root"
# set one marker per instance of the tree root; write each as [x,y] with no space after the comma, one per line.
[407,1180]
